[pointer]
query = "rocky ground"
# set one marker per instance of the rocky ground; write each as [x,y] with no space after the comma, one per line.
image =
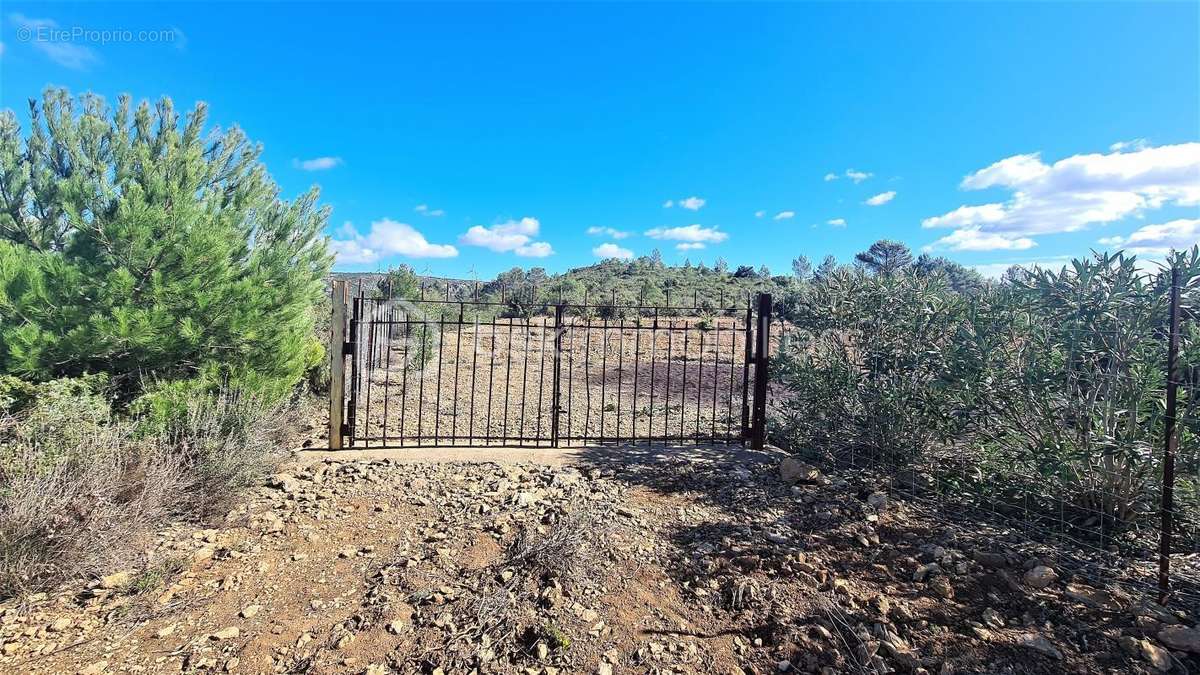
[626,560]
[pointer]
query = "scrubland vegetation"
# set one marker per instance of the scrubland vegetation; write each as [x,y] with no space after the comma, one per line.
[161,311]
[1041,396]
[157,307]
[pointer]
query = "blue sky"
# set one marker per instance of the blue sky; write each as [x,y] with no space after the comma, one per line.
[466,139]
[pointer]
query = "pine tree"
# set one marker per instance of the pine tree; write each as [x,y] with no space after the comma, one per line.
[801,267]
[400,282]
[134,243]
[827,267]
[885,257]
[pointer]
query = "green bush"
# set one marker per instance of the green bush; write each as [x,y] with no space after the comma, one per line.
[1044,394]
[138,244]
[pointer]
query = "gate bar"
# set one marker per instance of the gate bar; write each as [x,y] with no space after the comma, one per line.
[557,388]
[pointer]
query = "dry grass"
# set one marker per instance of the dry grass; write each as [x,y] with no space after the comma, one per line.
[77,496]
[79,514]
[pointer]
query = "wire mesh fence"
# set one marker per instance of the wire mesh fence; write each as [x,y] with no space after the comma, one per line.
[1065,407]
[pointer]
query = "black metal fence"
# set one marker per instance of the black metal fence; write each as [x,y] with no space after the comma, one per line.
[446,372]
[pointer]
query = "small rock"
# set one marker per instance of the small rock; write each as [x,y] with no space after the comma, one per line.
[227,633]
[926,570]
[877,501]
[1156,656]
[542,651]
[1041,645]
[165,631]
[347,553]
[792,470]
[1040,576]
[59,625]
[989,559]
[95,668]
[1181,638]
[604,669]
[116,580]
[527,499]
[941,586]
[992,618]
[250,611]
[285,482]
[395,627]
[1093,597]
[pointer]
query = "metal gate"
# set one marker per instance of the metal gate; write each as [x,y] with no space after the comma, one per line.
[444,372]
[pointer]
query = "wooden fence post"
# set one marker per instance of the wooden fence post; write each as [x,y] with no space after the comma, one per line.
[761,357]
[337,364]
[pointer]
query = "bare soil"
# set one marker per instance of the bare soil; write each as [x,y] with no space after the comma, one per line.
[629,559]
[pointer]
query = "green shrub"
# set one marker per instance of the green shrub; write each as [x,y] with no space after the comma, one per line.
[135,243]
[1044,394]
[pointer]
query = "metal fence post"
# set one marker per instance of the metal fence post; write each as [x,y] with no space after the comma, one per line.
[1171,444]
[337,364]
[746,359]
[556,394]
[759,433]
[354,348]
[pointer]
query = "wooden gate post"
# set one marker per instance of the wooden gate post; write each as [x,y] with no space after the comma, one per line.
[762,349]
[337,364]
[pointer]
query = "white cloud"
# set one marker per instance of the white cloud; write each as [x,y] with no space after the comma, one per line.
[317,163]
[1133,144]
[997,270]
[692,233]
[424,208]
[537,249]
[836,222]
[759,214]
[66,54]
[1076,192]
[689,246]
[853,174]
[512,235]
[972,239]
[881,198]
[1014,170]
[353,251]
[598,231]
[785,215]
[387,237]
[692,203]
[1158,240]
[612,251]
[669,203]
